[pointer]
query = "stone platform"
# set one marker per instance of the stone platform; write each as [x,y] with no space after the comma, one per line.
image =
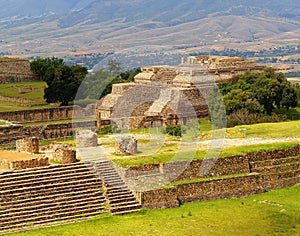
[11,160]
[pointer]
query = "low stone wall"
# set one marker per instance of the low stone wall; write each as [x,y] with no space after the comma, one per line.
[183,170]
[49,114]
[229,187]
[9,134]
[33,162]
[24,164]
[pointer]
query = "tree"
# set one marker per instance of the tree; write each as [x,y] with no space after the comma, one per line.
[238,99]
[44,68]
[253,91]
[62,81]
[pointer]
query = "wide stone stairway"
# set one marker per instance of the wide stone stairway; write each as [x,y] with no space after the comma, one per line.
[120,198]
[59,194]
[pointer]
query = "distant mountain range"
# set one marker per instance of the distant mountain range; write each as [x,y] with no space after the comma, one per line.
[40,27]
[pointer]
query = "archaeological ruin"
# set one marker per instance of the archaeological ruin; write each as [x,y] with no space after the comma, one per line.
[164,95]
[14,70]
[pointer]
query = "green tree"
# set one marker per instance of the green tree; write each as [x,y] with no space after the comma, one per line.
[62,81]
[238,99]
[252,91]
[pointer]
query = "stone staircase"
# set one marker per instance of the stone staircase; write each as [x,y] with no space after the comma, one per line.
[120,198]
[285,170]
[45,196]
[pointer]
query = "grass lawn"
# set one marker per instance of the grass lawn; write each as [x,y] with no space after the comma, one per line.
[273,213]
[31,91]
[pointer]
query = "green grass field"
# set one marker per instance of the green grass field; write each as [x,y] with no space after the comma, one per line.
[283,131]
[32,92]
[272,213]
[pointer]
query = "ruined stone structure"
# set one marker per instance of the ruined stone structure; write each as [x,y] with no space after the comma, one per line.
[49,114]
[10,160]
[164,95]
[14,70]
[10,133]
[86,138]
[126,145]
[28,145]
[63,153]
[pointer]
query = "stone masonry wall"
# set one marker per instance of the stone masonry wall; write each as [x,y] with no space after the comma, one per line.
[184,170]
[48,114]
[28,145]
[16,70]
[9,134]
[231,187]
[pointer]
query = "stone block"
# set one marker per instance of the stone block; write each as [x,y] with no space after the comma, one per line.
[28,145]
[126,145]
[86,138]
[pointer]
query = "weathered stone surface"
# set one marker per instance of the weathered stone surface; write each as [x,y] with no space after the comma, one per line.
[86,138]
[64,155]
[11,160]
[164,95]
[29,145]
[10,133]
[14,70]
[284,173]
[49,114]
[126,145]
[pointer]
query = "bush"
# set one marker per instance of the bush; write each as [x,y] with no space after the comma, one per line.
[242,117]
[174,130]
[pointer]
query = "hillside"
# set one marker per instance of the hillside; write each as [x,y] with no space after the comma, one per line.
[33,27]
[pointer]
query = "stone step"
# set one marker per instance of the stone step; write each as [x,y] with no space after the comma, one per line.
[37,209]
[51,188]
[56,174]
[30,182]
[125,210]
[114,184]
[278,168]
[117,189]
[121,199]
[46,169]
[47,223]
[127,203]
[272,162]
[50,198]
[115,179]
[125,191]
[120,195]
[51,217]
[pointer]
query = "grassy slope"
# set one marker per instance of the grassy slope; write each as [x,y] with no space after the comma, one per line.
[32,91]
[265,131]
[247,216]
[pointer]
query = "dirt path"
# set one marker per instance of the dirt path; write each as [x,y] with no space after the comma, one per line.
[250,141]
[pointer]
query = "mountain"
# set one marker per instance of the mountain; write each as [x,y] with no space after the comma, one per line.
[38,27]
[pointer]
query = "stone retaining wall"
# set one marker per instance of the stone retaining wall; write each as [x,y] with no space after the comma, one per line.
[9,134]
[24,164]
[15,70]
[230,187]
[183,170]
[49,114]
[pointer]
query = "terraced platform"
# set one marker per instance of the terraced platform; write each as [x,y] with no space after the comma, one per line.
[59,194]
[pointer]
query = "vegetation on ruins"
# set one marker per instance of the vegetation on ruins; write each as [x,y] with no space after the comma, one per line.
[273,213]
[62,81]
[257,97]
